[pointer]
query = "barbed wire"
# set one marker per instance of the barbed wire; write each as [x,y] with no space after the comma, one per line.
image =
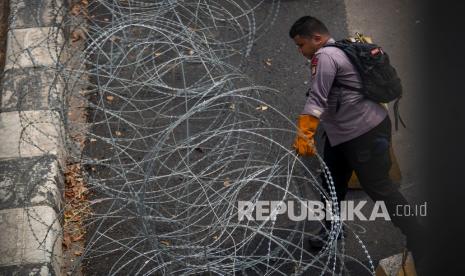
[176,135]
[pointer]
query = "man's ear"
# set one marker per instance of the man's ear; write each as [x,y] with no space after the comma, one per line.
[317,38]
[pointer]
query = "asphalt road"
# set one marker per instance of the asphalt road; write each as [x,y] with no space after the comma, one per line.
[288,72]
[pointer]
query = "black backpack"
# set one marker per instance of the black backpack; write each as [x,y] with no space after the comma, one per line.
[380,82]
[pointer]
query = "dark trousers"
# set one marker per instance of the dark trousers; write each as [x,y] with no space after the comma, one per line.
[368,155]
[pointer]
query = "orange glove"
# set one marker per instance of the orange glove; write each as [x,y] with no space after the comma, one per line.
[304,143]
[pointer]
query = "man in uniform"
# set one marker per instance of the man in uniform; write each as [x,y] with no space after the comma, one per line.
[358,130]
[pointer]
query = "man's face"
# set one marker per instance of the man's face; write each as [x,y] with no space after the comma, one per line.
[308,45]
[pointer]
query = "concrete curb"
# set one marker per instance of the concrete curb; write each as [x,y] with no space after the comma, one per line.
[31,141]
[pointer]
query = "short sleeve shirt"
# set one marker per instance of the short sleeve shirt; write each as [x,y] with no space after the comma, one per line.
[344,114]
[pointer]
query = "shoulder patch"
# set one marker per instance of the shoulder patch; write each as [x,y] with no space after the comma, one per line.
[314,64]
[376,51]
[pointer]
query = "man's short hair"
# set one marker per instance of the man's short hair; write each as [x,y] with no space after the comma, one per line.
[307,26]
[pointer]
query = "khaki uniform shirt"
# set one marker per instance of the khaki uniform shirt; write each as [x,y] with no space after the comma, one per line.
[344,114]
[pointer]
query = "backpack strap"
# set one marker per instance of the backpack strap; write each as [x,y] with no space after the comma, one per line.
[336,83]
[397,117]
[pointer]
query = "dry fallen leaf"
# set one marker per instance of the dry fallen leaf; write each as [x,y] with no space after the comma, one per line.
[76,210]
[227,182]
[76,219]
[76,9]
[167,243]
[78,238]
[118,133]
[68,215]
[69,194]
[262,107]
[110,98]
[66,240]
[77,35]
[268,61]
[80,190]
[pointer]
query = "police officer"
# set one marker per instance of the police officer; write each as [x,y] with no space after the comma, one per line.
[358,130]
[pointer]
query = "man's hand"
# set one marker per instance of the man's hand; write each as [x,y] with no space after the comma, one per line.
[304,143]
